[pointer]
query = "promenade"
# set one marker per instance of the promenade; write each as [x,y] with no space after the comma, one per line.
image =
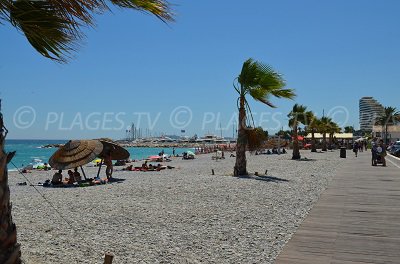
[356,219]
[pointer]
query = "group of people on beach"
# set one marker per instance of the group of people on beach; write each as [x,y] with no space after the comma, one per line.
[148,167]
[73,176]
[274,150]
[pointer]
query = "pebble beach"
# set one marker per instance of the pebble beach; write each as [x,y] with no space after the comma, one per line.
[180,215]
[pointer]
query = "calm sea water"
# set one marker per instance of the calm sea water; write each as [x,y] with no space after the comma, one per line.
[27,150]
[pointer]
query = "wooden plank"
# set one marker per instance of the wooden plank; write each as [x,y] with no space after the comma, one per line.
[356,220]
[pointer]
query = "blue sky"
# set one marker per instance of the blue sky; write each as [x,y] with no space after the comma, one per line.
[179,76]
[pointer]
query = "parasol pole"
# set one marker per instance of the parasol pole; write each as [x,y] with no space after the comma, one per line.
[98,172]
[83,172]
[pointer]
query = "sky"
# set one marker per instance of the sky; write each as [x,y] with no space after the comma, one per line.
[170,78]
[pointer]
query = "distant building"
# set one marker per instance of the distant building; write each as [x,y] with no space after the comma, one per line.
[370,110]
[393,132]
[335,135]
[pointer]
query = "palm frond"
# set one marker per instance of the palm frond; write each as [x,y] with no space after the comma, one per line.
[266,101]
[261,95]
[4,6]
[236,85]
[53,27]
[79,11]
[248,110]
[51,35]
[248,75]
[269,77]
[283,93]
[160,9]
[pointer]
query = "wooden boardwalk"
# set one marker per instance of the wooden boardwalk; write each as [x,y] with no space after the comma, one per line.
[356,220]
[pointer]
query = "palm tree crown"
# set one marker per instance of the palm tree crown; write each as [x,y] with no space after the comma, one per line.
[261,81]
[389,117]
[348,129]
[299,115]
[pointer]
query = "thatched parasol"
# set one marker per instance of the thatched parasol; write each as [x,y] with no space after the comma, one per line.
[75,153]
[112,148]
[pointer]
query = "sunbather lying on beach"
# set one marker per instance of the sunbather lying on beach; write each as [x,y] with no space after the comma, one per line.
[97,180]
[151,167]
[129,168]
[160,167]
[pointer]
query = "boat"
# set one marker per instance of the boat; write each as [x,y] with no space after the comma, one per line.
[212,139]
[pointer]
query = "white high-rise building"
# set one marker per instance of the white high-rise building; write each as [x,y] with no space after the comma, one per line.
[370,110]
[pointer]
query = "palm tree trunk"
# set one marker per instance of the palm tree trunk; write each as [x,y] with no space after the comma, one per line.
[241,162]
[296,149]
[313,147]
[9,249]
[386,134]
[383,132]
[330,141]
[324,142]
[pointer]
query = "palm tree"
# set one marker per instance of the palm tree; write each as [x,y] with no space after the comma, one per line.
[332,129]
[285,134]
[388,118]
[259,81]
[312,127]
[323,128]
[297,116]
[9,248]
[53,28]
[348,129]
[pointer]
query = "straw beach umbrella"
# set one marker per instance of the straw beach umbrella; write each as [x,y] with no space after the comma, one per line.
[115,150]
[75,153]
[112,148]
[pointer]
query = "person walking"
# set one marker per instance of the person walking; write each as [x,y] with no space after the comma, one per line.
[355,148]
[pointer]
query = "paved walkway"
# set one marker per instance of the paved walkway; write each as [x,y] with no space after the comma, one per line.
[356,220]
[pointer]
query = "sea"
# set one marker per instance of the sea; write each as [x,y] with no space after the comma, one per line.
[28,150]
